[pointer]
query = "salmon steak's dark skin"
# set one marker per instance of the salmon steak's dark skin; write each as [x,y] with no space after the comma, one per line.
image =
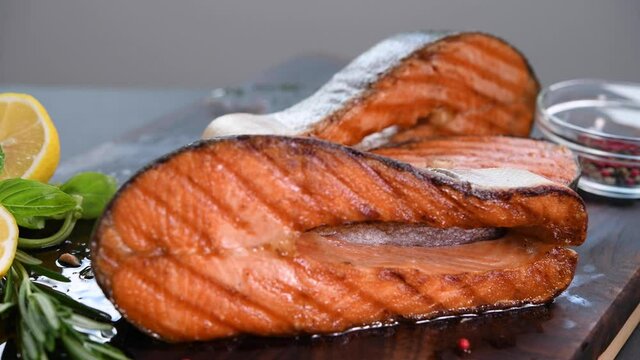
[228,236]
[422,84]
[555,162]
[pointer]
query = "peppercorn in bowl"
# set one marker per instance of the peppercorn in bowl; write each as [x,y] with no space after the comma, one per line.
[600,122]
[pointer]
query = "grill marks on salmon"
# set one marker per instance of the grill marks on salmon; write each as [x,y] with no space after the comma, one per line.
[554,162]
[422,84]
[221,238]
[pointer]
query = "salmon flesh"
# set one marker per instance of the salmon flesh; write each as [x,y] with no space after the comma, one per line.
[555,162]
[254,235]
[409,86]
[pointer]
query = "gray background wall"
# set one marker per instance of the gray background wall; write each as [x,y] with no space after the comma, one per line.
[210,43]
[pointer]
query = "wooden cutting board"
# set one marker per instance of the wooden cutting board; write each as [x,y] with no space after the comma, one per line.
[581,323]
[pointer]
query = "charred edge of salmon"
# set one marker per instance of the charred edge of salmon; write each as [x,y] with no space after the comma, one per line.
[438,178]
[435,177]
[573,184]
[448,36]
[440,37]
[363,89]
[561,257]
[571,260]
[565,259]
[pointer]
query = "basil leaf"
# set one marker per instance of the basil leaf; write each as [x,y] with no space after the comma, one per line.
[30,222]
[28,198]
[96,190]
[1,159]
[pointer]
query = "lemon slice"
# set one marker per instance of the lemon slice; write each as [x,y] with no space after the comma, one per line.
[8,240]
[28,138]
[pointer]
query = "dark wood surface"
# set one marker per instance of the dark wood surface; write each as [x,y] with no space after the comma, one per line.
[579,324]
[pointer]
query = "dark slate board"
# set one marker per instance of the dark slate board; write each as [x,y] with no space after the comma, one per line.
[579,324]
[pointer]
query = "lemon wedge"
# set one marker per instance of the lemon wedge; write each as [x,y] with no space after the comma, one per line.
[8,240]
[28,138]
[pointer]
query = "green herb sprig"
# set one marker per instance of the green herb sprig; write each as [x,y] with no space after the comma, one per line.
[45,317]
[45,320]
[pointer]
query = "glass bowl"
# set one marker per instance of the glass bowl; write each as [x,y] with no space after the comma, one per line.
[600,122]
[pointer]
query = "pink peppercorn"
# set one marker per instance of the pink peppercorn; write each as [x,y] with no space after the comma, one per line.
[464,344]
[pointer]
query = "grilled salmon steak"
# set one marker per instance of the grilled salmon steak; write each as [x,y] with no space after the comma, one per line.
[412,85]
[552,161]
[277,235]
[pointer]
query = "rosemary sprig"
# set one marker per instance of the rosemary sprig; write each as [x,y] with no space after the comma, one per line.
[45,320]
